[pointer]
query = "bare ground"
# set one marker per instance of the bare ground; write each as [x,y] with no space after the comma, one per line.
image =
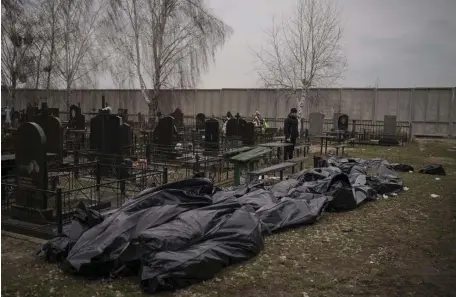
[399,246]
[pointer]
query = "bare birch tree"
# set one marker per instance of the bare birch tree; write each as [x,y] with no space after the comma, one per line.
[17,43]
[303,51]
[163,43]
[81,53]
[51,9]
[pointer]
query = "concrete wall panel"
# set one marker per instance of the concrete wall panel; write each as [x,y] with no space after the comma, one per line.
[432,112]
[403,105]
[419,101]
[386,103]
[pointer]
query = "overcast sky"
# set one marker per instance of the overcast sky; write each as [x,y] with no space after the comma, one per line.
[399,43]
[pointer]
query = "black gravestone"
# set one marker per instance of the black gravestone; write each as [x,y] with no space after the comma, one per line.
[126,138]
[232,128]
[53,112]
[163,133]
[178,118]
[211,135]
[80,122]
[123,113]
[31,201]
[31,112]
[248,134]
[52,127]
[241,125]
[95,132]
[74,111]
[200,121]
[104,138]
[163,138]
[342,122]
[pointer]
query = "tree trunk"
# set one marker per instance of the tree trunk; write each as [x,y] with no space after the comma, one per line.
[38,71]
[153,109]
[301,101]
[51,57]
[68,96]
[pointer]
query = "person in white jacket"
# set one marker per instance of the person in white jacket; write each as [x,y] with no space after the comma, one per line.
[228,117]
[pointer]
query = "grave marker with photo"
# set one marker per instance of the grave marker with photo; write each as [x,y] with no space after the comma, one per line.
[31,200]
[342,123]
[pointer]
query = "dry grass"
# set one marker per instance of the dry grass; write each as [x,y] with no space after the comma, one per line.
[400,246]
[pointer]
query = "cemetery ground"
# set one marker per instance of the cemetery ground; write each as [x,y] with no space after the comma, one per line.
[404,245]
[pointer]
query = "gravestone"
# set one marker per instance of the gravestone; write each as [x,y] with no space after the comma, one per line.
[31,201]
[200,121]
[30,113]
[389,125]
[248,134]
[389,131]
[211,135]
[74,111]
[95,132]
[53,129]
[123,113]
[163,133]
[104,139]
[77,119]
[163,137]
[178,118]
[53,111]
[241,126]
[80,122]
[232,128]
[342,122]
[126,138]
[316,123]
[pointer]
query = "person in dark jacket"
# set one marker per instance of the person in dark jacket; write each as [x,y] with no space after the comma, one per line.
[291,132]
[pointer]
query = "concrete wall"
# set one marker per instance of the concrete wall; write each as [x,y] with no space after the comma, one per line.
[430,111]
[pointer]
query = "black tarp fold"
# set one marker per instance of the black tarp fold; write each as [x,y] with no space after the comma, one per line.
[184,232]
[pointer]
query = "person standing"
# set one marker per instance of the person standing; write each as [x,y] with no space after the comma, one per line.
[291,132]
[229,116]
[257,119]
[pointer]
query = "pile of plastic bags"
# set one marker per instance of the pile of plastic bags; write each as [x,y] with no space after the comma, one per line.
[185,232]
